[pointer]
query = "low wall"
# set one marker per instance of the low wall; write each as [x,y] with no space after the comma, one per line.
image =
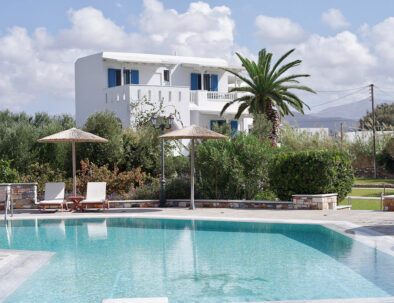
[368,172]
[388,203]
[324,201]
[205,203]
[23,195]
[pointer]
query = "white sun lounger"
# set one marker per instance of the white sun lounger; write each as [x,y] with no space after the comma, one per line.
[95,194]
[54,196]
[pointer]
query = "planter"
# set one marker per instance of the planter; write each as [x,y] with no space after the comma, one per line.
[388,203]
[320,201]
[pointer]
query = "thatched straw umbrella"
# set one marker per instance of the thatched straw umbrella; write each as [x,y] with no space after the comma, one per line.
[72,135]
[193,132]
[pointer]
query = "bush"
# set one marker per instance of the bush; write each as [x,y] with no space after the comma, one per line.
[311,172]
[178,188]
[386,158]
[148,191]
[233,169]
[43,173]
[117,182]
[7,174]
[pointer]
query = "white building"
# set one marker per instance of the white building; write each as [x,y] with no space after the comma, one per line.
[196,87]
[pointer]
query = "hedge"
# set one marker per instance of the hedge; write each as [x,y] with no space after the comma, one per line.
[311,172]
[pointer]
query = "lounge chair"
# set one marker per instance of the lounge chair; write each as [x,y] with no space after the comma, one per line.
[54,196]
[95,194]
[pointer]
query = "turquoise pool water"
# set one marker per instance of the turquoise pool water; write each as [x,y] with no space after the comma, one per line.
[195,261]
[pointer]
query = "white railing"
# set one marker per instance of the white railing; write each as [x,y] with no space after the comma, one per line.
[117,94]
[221,96]
[194,97]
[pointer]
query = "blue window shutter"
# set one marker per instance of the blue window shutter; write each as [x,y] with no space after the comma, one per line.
[234,127]
[194,81]
[126,76]
[135,77]
[212,122]
[111,77]
[214,82]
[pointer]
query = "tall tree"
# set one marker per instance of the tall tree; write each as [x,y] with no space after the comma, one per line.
[384,118]
[268,89]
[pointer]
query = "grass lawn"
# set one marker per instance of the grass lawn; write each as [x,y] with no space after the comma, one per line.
[366,204]
[373,181]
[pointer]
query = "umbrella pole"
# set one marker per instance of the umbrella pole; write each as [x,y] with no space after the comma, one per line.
[192,176]
[74,170]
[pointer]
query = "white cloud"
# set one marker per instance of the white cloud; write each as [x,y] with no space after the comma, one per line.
[278,30]
[200,31]
[381,39]
[38,67]
[334,18]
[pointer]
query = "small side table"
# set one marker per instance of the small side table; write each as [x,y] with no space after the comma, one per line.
[76,200]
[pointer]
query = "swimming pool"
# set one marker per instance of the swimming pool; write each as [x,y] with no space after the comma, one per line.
[195,261]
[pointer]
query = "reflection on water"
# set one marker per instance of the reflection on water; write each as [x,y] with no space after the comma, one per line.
[195,261]
[97,230]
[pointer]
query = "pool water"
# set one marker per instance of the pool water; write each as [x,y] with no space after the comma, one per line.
[195,261]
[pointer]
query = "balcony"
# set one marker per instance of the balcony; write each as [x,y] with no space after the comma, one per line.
[127,93]
[212,102]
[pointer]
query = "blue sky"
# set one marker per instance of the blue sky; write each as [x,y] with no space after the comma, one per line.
[344,44]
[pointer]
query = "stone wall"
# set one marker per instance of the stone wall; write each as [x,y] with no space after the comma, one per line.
[388,203]
[206,203]
[324,201]
[368,172]
[23,195]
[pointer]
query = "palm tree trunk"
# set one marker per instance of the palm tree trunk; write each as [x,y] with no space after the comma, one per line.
[273,117]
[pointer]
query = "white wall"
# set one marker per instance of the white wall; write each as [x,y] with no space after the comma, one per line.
[90,79]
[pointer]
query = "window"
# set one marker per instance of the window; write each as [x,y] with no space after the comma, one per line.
[126,76]
[159,95]
[180,96]
[210,82]
[234,127]
[207,82]
[218,122]
[169,96]
[166,74]
[115,77]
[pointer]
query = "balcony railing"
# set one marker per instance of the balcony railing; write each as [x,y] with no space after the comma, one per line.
[221,96]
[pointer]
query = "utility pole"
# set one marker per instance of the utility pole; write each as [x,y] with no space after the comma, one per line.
[341,135]
[373,132]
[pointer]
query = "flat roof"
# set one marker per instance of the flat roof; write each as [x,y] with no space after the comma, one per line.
[168,60]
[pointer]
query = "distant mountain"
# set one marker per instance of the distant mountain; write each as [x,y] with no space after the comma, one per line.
[311,121]
[332,117]
[352,111]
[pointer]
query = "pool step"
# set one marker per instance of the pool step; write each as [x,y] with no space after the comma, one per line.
[16,266]
[137,300]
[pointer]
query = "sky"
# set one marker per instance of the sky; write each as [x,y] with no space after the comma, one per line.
[344,45]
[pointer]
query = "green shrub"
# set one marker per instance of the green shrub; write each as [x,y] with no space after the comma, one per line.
[311,172]
[7,174]
[178,188]
[233,169]
[117,182]
[43,173]
[148,191]
[386,158]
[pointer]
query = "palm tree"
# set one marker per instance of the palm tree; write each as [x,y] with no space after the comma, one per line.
[268,89]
